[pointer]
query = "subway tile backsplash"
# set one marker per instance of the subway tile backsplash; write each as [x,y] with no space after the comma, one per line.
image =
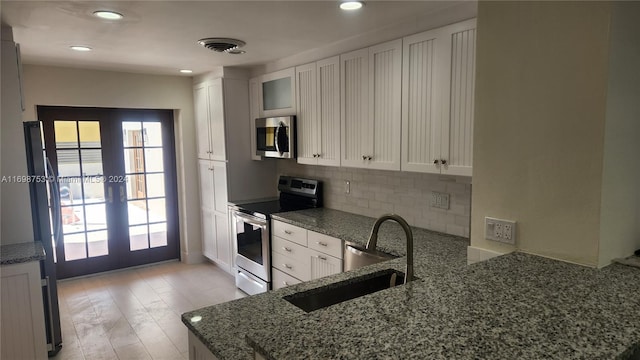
[376,192]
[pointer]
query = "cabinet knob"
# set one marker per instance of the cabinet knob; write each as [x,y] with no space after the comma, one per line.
[322,257]
[288,232]
[321,243]
[319,155]
[210,169]
[435,162]
[364,157]
[287,249]
[443,161]
[369,157]
[209,152]
[288,266]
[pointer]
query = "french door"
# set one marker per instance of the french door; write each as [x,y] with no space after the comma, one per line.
[115,172]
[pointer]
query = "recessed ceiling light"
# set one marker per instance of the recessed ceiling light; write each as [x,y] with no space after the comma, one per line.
[186,71]
[351,5]
[108,15]
[80,48]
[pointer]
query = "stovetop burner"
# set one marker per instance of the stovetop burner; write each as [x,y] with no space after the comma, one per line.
[295,194]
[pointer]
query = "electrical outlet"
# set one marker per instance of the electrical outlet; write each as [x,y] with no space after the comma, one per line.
[439,200]
[500,230]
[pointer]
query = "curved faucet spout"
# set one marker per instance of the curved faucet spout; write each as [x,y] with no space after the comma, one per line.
[373,240]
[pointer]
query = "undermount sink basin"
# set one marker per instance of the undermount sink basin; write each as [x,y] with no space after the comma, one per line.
[319,298]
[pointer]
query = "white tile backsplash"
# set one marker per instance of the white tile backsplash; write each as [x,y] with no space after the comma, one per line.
[375,192]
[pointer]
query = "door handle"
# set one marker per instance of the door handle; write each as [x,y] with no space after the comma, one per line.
[321,243]
[110,194]
[122,194]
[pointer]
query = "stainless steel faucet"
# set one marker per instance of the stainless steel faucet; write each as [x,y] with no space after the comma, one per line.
[373,240]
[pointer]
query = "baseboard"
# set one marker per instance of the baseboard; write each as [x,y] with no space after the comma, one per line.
[475,254]
[192,257]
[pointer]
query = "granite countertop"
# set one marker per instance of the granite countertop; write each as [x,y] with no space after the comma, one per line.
[512,306]
[21,253]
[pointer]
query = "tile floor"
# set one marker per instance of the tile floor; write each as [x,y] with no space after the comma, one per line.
[135,314]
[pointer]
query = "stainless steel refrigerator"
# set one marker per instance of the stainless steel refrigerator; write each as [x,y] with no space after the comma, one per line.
[46,227]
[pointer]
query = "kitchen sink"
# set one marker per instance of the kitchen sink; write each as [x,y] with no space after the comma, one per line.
[319,298]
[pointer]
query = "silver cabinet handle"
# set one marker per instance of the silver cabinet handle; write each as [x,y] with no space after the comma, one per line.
[287,266]
[369,157]
[364,157]
[288,232]
[210,169]
[322,257]
[287,284]
[321,243]
[286,249]
[443,161]
[209,152]
[436,161]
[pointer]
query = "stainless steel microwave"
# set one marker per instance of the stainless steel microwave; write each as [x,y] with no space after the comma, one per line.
[276,137]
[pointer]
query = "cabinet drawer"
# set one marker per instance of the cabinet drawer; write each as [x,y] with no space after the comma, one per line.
[294,267]
[290,232]
[323,264]
[281,279]
[326,244]
[288,248]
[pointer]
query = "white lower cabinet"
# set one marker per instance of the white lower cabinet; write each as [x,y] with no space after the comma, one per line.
[301,255]
[23,326]
[197,350]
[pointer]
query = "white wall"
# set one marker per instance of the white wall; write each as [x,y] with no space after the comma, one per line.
[446,14]
[16,222]
[539,125]
[45,85]
[620,216]
[376,192]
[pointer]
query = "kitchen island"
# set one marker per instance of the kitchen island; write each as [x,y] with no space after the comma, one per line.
[513,306]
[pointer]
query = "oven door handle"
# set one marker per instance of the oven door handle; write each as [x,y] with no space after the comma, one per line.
[277,138]
[252,220]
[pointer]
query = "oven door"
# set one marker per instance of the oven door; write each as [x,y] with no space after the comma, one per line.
[275,137]
[252,244]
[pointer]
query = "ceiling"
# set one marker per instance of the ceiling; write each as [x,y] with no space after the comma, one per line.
[161,36]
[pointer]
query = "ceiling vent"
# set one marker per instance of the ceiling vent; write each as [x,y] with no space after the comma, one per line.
[221,44]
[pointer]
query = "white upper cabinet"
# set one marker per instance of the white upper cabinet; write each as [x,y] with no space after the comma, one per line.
[277,93]
[254,113]
[318,112]
[437,106]
[371,106]
[209,119]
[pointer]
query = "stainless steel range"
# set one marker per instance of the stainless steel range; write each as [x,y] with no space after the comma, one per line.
[252,230]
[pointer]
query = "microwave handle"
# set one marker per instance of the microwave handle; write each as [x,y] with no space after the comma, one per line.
[277,139]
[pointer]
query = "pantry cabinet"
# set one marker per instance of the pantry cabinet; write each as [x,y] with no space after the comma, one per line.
[216,242]
[226,171]
[318,112]
[209,116]
[437,107]
[370,83]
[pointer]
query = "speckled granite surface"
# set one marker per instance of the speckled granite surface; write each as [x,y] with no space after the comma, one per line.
[514,306]
[21,253]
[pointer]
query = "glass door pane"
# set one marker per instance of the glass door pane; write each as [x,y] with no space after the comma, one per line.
[144,172]
[81,182]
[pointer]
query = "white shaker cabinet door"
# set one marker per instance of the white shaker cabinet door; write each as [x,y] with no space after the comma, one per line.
[354,109]
[458,91]
[421,101]
[306,118]
[385,81]
[201,108]
[207,219]
[254,112]
[328,108]
[216,120]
